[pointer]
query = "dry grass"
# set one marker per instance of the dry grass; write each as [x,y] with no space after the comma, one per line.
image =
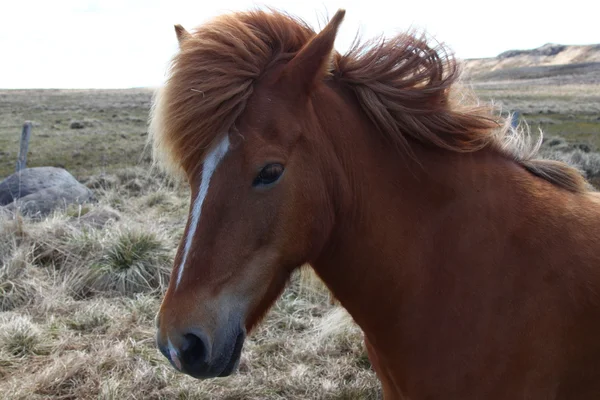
[577,155]
[80,299]
[16,288]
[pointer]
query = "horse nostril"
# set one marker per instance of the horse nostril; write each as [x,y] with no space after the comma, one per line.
[194,349]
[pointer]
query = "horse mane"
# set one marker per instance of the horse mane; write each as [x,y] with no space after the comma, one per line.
[406,88]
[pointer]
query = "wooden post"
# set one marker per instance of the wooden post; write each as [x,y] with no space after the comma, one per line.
[25,134]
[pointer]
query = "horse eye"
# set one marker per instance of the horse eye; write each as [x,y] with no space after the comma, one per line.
[269,174]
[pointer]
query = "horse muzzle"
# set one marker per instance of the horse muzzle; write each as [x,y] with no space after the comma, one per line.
[195,354]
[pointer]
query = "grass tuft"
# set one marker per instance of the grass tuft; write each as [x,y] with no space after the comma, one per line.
[94,318]
[135,262]
[19,337]
[16,289]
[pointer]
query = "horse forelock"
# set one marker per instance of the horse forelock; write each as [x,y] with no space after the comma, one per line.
[211,79]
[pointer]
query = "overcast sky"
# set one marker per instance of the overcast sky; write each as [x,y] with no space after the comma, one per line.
[128,43]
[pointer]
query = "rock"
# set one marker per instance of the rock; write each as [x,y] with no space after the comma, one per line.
[31,180]
[555,142]
[39,191]
[77,125]
[86,123]
[42,203]
[549,49]
[99,217]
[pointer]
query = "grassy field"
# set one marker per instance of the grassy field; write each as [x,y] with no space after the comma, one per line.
[79,290]
[571,111]
[86,132]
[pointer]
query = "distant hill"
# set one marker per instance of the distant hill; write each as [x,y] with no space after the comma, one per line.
[566,63]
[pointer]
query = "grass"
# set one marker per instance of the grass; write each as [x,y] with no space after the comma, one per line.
[135,261]
[15,291]
[574,128]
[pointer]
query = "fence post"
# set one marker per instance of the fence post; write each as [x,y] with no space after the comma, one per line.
[515,119]
[25,134]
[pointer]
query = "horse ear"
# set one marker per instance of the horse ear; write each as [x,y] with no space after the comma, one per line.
[314,59]
[182,34]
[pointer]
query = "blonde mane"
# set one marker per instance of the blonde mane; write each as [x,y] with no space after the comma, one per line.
[404,86]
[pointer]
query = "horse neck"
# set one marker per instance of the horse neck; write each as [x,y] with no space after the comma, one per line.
[378,255]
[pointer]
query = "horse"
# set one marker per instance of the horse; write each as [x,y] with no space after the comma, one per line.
[471,266]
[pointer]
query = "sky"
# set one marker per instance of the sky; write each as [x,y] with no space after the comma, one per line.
[129,43]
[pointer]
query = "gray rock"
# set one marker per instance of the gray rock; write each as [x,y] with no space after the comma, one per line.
[549,49]
[85,123]
[31,180]
[99,217]
[39,191]
[77,125]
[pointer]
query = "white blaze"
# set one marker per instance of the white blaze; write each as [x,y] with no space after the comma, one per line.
[210,165]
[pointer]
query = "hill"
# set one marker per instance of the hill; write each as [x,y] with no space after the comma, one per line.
[554,62]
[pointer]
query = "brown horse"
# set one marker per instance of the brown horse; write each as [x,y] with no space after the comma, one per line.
[472,268]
